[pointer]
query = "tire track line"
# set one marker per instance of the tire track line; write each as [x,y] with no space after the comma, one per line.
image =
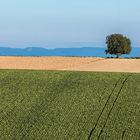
[104,108]
[123,134]
[113,106]
[82,64]
[80,137]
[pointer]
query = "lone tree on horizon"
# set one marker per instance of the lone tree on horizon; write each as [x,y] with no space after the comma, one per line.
[118,44]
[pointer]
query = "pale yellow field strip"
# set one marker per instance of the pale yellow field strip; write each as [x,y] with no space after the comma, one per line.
[71,63]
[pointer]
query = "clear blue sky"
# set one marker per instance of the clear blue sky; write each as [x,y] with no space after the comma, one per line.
[26,23]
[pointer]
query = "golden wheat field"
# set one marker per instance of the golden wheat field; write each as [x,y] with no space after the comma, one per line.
[71,63]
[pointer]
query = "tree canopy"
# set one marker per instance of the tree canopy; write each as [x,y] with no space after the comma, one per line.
[118,44]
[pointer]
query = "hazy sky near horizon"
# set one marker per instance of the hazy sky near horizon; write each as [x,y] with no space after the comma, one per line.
[41,22]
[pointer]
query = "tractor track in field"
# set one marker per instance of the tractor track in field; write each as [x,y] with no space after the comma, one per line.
[103,108]
[102,93]
[91,132]
[84,64]
[123,134]
[113,105]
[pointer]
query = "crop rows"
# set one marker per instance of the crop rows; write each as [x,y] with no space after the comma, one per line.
[69,105]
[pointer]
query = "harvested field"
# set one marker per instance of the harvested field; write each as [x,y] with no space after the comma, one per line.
[71,63]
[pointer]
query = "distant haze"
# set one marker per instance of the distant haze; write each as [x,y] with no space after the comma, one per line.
[67,23]
[82,52]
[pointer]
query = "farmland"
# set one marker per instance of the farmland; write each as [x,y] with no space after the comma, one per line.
[56,105]
[70,64]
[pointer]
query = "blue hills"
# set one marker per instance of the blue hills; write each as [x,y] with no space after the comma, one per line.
[84,51]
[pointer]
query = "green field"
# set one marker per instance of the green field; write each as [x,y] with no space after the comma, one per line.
[55,105]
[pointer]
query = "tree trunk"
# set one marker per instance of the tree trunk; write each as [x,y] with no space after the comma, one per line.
[117,55]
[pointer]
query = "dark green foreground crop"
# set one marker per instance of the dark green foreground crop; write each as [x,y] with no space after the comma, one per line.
[53,105]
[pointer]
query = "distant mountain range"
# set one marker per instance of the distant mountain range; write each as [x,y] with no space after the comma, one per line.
[85,51]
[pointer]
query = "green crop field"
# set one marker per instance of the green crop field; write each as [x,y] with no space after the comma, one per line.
[56,105]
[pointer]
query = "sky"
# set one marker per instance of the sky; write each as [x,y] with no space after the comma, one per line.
[56,23]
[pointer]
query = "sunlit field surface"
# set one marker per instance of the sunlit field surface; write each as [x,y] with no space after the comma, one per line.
[60,105]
